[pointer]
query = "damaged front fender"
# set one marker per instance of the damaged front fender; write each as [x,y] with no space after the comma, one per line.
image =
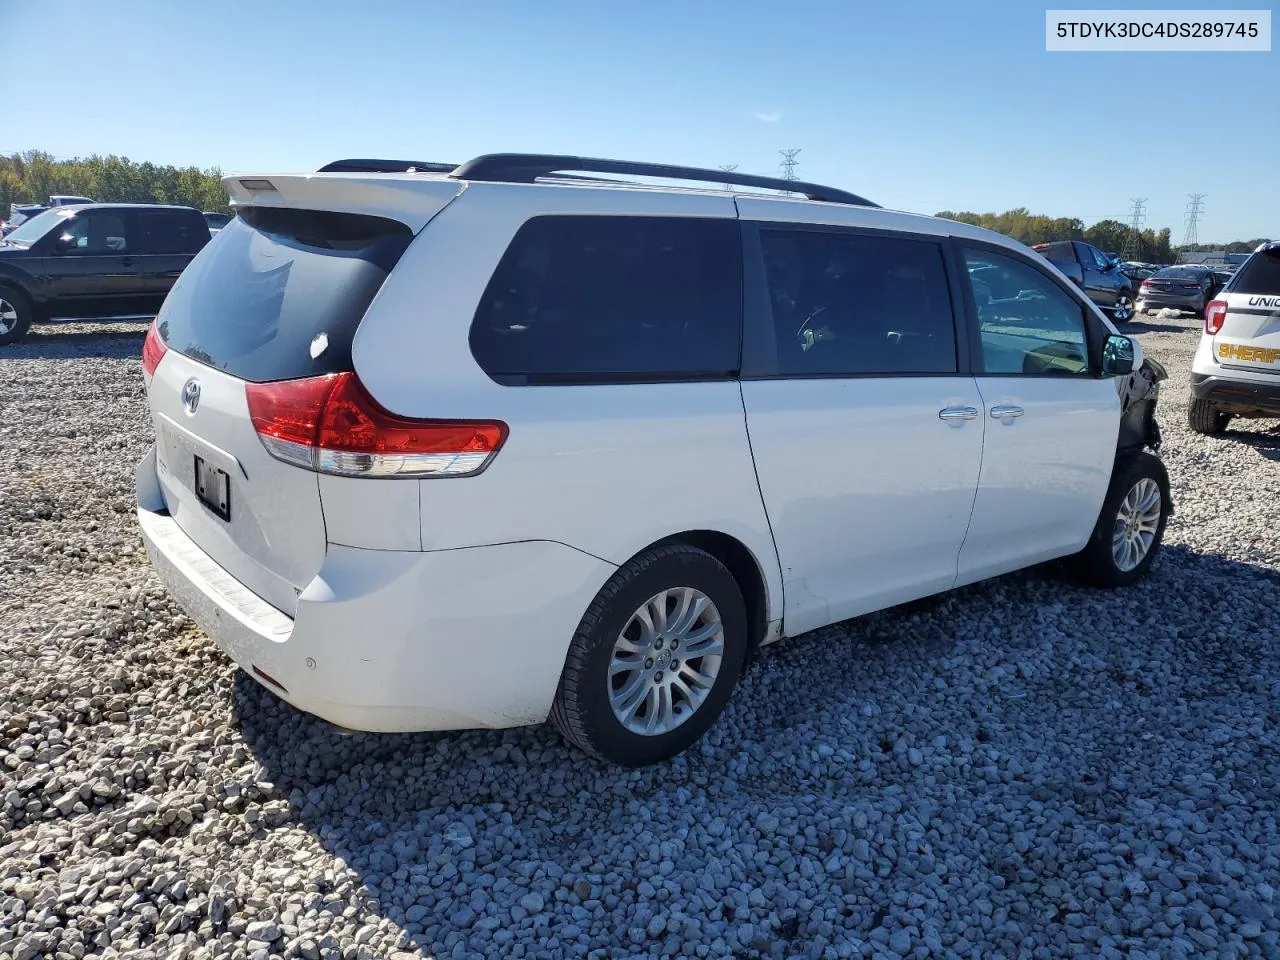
[1139,392]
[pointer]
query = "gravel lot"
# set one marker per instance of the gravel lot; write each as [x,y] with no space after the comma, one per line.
[1021,769]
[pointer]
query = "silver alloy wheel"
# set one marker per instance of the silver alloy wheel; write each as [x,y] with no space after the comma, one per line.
[1123,310]
[1137,521]
[665,661]
[8,316]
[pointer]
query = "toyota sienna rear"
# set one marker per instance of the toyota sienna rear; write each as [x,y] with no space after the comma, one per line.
[479,447]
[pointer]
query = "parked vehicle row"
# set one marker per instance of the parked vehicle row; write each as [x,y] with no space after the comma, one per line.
[94,260]
[1138,271]
[645,430]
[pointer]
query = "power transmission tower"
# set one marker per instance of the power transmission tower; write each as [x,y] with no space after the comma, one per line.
[789,163]
[728,168]
[1194,210]
[1137,216]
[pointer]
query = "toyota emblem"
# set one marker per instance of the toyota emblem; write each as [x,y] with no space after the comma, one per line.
[191,395]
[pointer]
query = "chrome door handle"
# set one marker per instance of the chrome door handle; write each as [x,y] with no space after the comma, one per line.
[958,413]
[1006,412]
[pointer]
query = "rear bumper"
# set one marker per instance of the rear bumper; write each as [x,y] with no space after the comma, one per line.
[1152,301]
[393,640]
[1237,396]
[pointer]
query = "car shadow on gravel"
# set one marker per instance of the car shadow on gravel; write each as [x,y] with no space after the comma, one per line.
[106,340]
[1149,326]
[1266,443]
[1008,668]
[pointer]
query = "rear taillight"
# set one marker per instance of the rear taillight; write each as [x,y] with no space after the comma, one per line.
[1214,314]
[332,425]
[1146,285]
[153,350]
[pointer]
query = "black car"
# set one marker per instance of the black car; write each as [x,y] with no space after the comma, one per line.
[1188,287]
[1097,274]
[94,260]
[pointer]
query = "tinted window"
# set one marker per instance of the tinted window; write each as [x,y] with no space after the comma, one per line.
[1028,323]
[278,294]
[847,304]
[172,231]
[613,299]
[1260,274]
[96,232]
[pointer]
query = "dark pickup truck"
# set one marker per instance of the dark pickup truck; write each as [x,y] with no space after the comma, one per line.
[1099,276]
[94,260]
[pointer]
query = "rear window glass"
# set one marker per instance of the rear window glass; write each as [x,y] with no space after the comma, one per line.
[1057,252]
[602,299]
[278,294]
[1179,273]
[1260,274]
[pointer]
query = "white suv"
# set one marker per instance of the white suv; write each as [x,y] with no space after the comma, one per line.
[474,448]
[1236,370]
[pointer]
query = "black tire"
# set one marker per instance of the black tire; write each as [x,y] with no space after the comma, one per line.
[15,315]
[1096,563]
[1204,417]
[582,711]
[1123,311]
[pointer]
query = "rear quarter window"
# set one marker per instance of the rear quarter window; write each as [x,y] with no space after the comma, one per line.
[172,231]
[604,299]
[278,294]
[1260,274]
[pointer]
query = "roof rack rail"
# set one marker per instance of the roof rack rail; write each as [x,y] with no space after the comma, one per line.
[385,166]
[528,167]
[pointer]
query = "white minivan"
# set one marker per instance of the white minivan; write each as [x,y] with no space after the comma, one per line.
[441,448]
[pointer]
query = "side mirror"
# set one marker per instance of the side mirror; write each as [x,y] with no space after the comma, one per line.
[1120,356]
[64,243]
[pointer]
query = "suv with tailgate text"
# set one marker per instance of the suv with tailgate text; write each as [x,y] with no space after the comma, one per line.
[1236,370]
[441,448]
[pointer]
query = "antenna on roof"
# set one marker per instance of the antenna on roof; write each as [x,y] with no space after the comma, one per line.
[728,168]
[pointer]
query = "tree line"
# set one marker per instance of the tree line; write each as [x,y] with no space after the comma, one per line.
[1154,246]
[34,176]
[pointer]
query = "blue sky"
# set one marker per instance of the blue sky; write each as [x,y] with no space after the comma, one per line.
[920,106]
